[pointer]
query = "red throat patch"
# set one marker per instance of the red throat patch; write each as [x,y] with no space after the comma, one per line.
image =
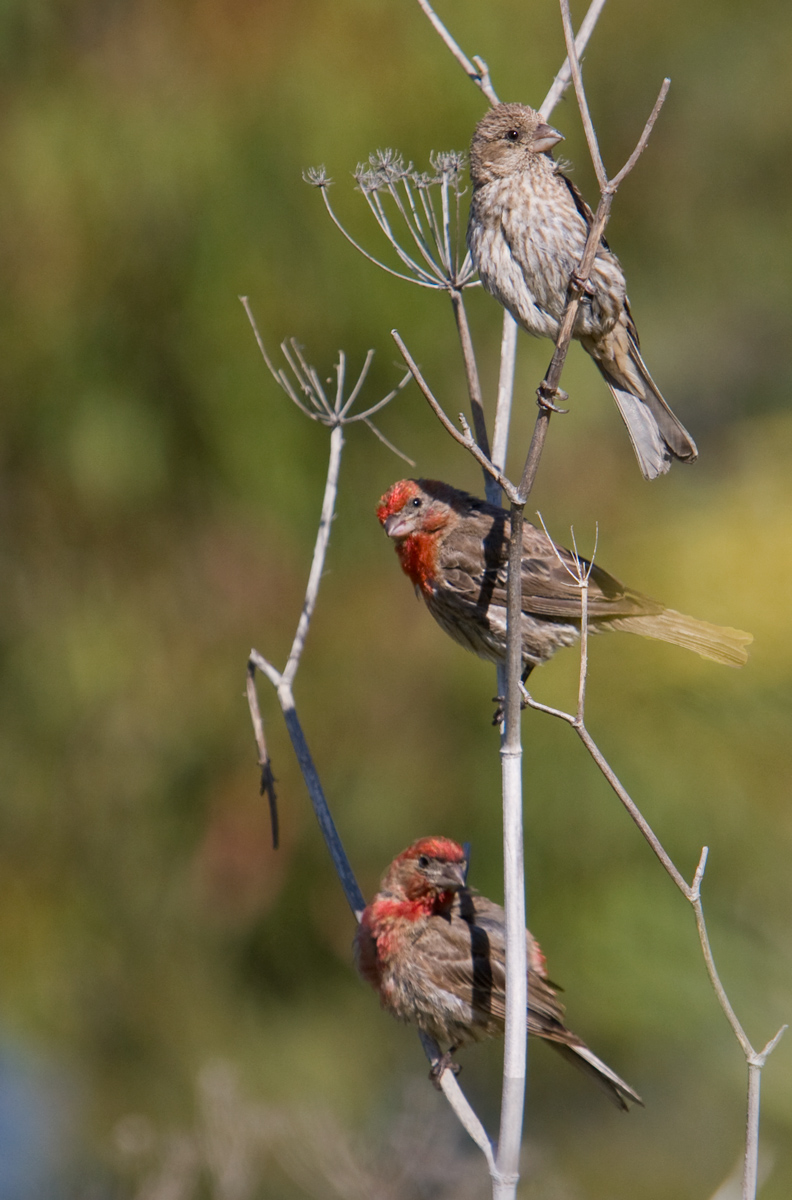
[418,557]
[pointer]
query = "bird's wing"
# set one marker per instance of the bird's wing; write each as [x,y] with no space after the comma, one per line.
[581,205]
[549,588]
[469,961]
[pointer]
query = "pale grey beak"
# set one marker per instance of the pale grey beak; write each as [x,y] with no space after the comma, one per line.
[396,526]
[450,876]
[544,138]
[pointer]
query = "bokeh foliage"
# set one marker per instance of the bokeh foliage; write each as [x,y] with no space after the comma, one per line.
[158,502]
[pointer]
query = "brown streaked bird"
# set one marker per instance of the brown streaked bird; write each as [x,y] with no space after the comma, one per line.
[435,952]
[454,548]
[527,231]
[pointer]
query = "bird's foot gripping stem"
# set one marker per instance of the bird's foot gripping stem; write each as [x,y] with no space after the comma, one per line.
[581,287]
[548,397]
[444,1063]
[499,715]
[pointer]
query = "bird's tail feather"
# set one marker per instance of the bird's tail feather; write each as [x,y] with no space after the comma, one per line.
[657,434]
[651,450]
[718,642]
[607,1080]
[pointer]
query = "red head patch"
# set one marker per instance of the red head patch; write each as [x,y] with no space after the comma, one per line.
[434,847]
[395,498]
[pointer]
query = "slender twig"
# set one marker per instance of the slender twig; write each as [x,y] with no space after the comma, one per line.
[754,1059]
[421,277]
[692,892]
[515,1049]
[605,184]
[751,1165]
[385,441]
[583,646]
[491,488]
[471,372]
[341,407]
[282,681]
[479,74]
[375,203]
[459,1102]
[577,79]
[267,777]
[432,237]
[313,783]
[694,896]
[564,76]
[320,551]
[310,383]
[644,138]
[465,438]
[503,406]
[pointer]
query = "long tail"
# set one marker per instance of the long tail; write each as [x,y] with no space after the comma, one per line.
[718,642]
[657,435]
[607,1080]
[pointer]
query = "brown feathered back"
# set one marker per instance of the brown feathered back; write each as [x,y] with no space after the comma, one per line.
[454,548]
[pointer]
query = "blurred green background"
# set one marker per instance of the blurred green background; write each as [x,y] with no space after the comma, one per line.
[178,1007]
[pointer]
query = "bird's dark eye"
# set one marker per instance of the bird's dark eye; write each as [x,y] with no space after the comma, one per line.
[512,135]
[423,862]
[417,502]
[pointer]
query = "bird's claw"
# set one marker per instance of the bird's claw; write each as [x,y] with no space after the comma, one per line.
[584,287]
[444,1063]
[546,397]
[500,712]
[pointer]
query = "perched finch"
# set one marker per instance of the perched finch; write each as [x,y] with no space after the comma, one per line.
[527,231]
[435,952]
[454,547]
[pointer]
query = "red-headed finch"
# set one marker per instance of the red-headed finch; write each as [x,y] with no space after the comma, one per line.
[454,548]
[527,231]
[435,952]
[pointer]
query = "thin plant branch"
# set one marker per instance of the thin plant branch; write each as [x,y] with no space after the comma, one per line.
[267,778]
[319,555]
[477,73]
[436,237]
[388,444]
[564,76]
[516,1003]
[459,1102]
[692,892]
[465,438]
[310,383]
[577,79]
[448,1083]
[754,1059]
[503,406]
[282,681]
[341,407]
[420,277]
[644,138]
[312,782]
[491,487]
[605,184]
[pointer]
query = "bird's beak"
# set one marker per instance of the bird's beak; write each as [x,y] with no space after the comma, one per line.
[451,877]
[396,526]
[544,138]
